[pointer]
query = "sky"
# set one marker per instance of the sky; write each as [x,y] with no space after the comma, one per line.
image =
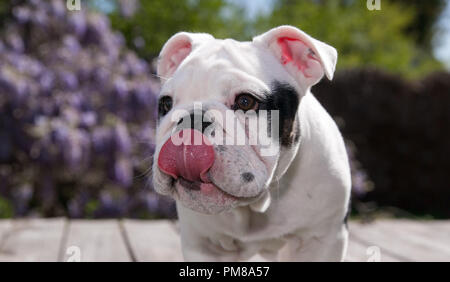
[255,6]
[442,39]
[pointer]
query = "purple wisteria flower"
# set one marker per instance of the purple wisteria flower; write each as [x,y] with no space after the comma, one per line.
[77,116]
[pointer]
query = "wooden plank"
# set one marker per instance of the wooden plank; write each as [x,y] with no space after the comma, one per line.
[405,239]
[358,251]
[32,240]
[107,240]
[5,225]
[156,240]
[436,230]
[95,240]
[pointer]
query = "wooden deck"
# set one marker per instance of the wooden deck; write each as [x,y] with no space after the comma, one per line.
[134,240]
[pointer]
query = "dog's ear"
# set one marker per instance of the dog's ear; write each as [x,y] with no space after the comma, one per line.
[176,49]
[304,57]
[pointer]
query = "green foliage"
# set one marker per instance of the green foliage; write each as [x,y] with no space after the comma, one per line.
[155,21]
[397,38]
[392,39]
[4,10]
[6,209]
[91,207]
[422,27]
[362,37]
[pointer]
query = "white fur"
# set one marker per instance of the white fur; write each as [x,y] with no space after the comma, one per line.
[305,192]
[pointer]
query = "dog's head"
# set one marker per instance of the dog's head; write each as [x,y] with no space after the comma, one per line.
[228,119]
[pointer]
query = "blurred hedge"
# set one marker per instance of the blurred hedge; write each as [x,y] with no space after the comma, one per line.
[401,130]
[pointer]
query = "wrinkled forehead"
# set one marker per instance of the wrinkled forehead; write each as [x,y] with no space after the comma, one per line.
[217,69]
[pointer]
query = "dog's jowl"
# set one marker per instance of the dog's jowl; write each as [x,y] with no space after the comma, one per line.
[254,162]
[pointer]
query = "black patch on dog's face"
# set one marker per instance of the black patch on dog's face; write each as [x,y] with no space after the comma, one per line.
[284,98]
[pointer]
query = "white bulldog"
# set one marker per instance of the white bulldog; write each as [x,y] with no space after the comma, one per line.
[233,201]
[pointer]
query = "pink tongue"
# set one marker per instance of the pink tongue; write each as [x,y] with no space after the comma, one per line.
[187,159]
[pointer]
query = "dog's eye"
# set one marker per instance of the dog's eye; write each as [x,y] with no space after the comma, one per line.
[245,102]
[164,105]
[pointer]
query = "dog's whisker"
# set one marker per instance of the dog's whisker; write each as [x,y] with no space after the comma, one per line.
[144,174]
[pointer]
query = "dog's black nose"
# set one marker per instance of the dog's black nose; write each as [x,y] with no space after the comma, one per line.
[194,121]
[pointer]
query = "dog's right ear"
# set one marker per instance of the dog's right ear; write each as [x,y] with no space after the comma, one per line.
[305,58]
[176,49]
